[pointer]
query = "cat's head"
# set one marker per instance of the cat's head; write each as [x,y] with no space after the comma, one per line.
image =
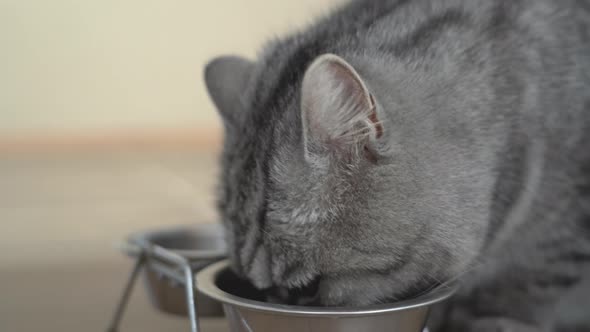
[321,182]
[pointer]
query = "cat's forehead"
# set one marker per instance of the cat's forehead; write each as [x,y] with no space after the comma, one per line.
[272,122]
[270,102]
[279,71]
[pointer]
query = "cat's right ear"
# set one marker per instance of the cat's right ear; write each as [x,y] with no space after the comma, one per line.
[339,114]
[226,77]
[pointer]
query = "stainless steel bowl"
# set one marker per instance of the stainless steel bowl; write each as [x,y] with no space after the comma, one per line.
[246,311]
[200,245]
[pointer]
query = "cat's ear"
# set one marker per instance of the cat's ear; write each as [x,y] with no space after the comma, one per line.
[338,112]
[226,77]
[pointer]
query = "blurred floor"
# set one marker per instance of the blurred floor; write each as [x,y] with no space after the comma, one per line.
[80,298]
[60,218]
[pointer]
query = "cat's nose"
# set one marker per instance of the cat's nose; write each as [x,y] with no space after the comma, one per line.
[259,272]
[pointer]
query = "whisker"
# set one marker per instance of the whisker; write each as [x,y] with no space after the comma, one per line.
[470,267]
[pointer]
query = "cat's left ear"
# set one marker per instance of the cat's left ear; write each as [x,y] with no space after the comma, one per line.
[339,113]
[226,77]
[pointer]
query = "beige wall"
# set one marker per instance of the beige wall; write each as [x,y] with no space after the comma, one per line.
[80,66]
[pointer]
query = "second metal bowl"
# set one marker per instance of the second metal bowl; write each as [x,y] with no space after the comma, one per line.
[201,245]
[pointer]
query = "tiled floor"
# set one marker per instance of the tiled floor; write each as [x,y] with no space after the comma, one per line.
[60,219]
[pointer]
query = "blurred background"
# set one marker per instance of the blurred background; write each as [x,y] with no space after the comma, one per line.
[106,129]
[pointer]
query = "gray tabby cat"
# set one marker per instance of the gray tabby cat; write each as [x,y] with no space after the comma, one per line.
[400,144]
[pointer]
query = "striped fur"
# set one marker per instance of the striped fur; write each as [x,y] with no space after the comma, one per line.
[482,175]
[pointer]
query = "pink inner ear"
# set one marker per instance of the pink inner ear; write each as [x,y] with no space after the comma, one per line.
[356,88]
[373,117]
[339,113]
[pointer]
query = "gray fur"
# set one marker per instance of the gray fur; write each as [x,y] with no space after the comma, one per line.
[474,162]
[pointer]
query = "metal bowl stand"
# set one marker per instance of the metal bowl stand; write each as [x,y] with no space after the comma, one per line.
[166,263]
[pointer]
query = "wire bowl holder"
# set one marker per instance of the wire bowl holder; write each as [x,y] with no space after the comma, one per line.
[171,253]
